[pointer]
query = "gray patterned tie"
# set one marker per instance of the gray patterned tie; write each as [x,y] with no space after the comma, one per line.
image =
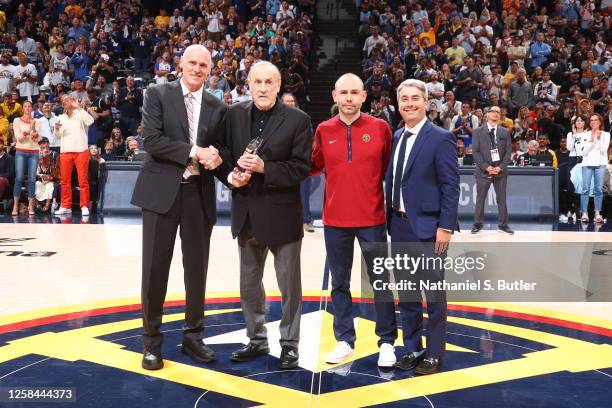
[191,168]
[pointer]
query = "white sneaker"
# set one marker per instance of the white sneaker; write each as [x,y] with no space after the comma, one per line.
[341,352]
[63,211]
[386,356]
[563,219]
[84,211]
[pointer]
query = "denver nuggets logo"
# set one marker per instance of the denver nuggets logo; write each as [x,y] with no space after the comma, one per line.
[492,350]
[366,138]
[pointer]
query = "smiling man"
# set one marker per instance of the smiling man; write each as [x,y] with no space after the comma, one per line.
[422,193]
[353,149]
[175,187]
[266,207]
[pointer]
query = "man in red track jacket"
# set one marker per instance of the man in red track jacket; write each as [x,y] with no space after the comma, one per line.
[353,149]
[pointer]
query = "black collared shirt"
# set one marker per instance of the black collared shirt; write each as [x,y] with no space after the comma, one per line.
[260,119]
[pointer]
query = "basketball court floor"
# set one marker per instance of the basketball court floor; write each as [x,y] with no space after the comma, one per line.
[70,320]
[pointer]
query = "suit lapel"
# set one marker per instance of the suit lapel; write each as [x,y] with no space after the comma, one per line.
[205,114]
[178,101]
[245,132]
[418,144]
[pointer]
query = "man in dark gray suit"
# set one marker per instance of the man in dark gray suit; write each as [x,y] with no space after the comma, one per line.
[492,150]
[175,188]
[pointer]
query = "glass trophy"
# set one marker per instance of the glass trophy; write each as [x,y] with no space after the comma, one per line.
[252,147]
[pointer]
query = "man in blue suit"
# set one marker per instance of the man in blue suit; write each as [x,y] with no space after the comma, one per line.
[422,192]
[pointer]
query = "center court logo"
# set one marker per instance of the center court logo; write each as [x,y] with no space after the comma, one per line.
[8,247]
[468,365]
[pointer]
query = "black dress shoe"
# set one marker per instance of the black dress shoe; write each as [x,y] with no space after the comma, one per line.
[428,366]
[152,358]
[250,351]
[506,229]
[476,229]
[409,361]
[197,350]
[289,358]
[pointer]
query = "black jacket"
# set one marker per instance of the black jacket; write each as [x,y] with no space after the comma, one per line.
[271,200]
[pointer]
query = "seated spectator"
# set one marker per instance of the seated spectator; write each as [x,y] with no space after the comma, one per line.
[7,171]
[47,179]
[240,93]
[543,143]
[213,89]
[109,151]
[10,107]
[133,152]
[4,127]
[118,142]
[94,154]
[463,124]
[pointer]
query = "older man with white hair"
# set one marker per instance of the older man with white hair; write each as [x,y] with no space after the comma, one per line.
[271,143]
[175,188]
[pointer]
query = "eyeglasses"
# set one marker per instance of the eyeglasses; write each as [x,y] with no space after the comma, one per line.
[494,111]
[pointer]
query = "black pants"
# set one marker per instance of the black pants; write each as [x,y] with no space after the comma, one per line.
[482,190]
[158,236]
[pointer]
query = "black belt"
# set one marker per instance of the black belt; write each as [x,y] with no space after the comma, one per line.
[400,214]
[191,179]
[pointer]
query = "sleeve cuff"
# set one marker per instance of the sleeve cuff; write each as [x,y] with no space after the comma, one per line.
[193,151]
[447,230]
[229,178]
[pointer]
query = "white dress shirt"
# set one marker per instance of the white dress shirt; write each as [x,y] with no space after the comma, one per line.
[415,133]
[196,120]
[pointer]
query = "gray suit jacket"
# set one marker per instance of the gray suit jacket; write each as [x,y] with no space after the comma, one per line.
[481,148]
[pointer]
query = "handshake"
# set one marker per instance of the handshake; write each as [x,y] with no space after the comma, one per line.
[208,157]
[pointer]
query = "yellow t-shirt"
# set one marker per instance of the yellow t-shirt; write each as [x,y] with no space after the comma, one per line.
[8,111]
[459,54]
[4,127]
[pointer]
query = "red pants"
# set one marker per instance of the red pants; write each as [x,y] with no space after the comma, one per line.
[67,161]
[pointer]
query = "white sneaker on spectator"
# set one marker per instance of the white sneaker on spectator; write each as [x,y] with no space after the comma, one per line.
[563,218]
[341,352]
[84,211]
[63,211]
[386,356]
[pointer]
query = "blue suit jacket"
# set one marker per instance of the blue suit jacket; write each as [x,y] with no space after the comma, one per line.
[430,185]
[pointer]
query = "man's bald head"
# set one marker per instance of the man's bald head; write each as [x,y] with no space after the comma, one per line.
[350,80]
[195,64]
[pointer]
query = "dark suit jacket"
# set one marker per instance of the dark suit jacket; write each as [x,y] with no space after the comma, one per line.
[430,186]
[166,140]
[481,149]
[271,200]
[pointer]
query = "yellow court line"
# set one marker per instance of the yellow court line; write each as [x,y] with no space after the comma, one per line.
[71,346]
[562,358]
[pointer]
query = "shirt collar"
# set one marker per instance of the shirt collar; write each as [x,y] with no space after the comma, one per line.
[415,130]
[269,112]
[197,94]
[489,126]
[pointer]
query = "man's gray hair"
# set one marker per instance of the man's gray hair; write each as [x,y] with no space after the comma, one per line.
[265,64]
[413,83]
[533,144]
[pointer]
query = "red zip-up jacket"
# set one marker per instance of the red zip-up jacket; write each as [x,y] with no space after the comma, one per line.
[354,158]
